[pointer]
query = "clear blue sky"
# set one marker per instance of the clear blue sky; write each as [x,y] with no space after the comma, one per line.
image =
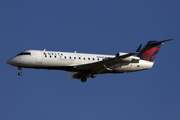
[90,26]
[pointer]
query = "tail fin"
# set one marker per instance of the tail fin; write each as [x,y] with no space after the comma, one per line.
[150,50]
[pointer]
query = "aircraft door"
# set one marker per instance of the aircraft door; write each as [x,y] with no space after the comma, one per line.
[39,57]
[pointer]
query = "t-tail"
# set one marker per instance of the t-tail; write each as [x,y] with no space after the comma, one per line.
[151,49]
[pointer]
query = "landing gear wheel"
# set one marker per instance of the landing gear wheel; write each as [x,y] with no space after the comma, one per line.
[93,75]
[83,79]
[20,73]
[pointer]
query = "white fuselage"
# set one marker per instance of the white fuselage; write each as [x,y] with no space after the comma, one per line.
[82,66]
[65,61]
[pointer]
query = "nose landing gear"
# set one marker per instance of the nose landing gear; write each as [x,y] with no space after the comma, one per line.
[20,73]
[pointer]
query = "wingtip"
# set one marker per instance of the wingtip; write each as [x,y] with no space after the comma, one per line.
[139,48]
[170,39]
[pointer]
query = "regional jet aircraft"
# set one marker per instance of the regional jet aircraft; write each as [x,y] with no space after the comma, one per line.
[82,66]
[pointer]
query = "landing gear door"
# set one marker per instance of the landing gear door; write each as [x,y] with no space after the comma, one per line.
[39,57]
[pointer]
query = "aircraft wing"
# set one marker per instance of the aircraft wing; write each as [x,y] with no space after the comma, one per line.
[99,67]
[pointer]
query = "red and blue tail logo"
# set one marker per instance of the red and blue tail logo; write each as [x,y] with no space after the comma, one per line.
[149,52]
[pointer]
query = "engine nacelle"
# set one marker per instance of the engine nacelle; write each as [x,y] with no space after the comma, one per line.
[120,54]
[135,59]
[128,59]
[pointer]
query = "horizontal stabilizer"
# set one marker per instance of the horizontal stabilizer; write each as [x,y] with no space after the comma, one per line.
[160,42]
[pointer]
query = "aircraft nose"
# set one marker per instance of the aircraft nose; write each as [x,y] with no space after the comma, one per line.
[9,62]
[12,61]
[15,61]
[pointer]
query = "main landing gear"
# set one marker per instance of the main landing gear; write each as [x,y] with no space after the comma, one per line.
[93,75]
[84,79]
[20,73]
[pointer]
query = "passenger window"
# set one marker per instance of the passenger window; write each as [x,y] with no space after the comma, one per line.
[84,58]
[69,57]
[55,56]
[79,57]
[93,58]
[88,58]
[74,57]
[65,57]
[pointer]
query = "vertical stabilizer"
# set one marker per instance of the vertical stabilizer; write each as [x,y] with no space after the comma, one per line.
[150,50]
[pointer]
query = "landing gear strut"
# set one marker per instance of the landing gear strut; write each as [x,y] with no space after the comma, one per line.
[20,73]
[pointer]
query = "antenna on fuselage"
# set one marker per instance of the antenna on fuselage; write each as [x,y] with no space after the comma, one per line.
[44,50]
[75,51]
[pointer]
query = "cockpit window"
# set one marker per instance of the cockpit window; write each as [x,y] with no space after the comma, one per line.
[24,53]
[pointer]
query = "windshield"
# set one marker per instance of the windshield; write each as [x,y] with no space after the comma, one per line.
[24,53]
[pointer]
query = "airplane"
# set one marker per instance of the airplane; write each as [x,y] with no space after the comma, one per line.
[82,66]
